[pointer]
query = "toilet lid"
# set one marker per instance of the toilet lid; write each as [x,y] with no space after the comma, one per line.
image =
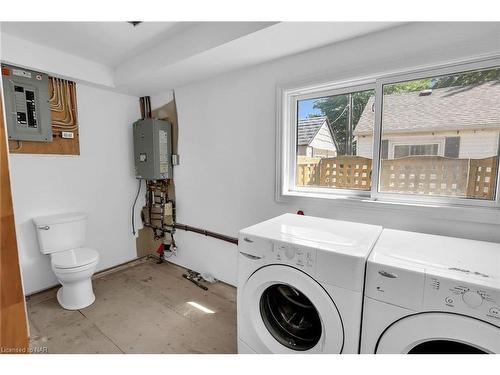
[74,258]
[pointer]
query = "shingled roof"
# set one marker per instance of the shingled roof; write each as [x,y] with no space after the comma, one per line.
[453,108]
[308,128]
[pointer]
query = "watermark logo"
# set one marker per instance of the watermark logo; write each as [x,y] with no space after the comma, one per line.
[23,350]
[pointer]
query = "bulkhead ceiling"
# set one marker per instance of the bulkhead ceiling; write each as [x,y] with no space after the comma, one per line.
[108,43]
[154,57]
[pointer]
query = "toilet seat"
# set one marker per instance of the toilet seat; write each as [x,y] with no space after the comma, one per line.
[74,258]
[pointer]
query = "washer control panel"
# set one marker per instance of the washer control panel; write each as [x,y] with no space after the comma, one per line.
[294,255]
[468,299]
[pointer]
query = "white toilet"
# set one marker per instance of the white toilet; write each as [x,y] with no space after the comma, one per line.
[63,237]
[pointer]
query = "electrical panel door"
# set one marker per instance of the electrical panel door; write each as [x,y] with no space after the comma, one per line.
[153,149]
[26,104]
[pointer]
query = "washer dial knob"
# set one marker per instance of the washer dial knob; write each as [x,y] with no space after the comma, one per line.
[290,253]
[472,299]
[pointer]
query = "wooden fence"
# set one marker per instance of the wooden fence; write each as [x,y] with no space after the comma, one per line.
[482,178]
[352,172]
[424,175]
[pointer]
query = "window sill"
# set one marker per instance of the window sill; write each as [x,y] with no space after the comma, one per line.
[475,214]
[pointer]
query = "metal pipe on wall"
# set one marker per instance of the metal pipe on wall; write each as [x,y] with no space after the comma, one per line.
[207,233]
[145,105]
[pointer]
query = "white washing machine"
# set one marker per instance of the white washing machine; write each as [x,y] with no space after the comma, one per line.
[431,294]
[300,285]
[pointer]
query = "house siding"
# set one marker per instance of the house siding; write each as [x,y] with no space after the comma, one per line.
[304,151]
[474,144]
[322,143]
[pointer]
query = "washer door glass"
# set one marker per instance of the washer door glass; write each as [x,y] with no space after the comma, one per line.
[439,333]
[284,310]
[290,317]
[445,347]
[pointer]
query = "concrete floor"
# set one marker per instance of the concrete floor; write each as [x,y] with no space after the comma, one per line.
[141,308]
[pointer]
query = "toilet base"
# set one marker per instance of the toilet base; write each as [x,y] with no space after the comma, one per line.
[76,296]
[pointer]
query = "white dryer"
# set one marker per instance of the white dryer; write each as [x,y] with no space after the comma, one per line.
[300,285]
[431,294]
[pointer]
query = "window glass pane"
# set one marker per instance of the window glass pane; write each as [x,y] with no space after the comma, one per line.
[334,141]
[401,151]
[415,150]
[443,135]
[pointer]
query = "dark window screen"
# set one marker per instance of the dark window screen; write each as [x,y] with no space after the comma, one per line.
[452,147]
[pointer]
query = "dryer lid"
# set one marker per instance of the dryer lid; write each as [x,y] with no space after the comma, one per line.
[74,258]
[456,257]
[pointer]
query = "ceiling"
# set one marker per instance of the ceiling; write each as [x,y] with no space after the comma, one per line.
[157,56]
[108,43]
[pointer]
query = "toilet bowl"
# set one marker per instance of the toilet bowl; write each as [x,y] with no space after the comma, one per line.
[74,269]
[62,238]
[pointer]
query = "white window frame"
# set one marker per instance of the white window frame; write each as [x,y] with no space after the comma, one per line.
[288,134]
[287,97]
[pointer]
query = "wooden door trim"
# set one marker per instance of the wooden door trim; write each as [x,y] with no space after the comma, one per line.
[13,324]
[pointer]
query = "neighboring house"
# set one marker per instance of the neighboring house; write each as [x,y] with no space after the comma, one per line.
[456,122]
[315,138]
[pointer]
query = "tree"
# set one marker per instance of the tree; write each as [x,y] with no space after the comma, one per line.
[416,85]
[468,79]
[336,108]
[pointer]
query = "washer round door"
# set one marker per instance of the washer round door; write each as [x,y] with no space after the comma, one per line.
[290,312]
[439,333]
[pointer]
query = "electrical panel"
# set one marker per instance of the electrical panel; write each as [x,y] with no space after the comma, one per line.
[27,108]
[153,149]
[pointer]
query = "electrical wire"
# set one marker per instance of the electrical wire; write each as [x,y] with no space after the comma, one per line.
[19,145]
[342,114]
[133,206]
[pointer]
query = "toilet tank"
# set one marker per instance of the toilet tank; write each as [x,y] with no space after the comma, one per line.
[61,232]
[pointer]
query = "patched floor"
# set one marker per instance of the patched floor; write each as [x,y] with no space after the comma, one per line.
[143,308]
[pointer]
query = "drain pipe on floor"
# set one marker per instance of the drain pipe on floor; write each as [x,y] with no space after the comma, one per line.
[207,233]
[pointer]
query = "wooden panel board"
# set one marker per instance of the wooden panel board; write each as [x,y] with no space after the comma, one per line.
[62,94]
[145,242]
[13,327]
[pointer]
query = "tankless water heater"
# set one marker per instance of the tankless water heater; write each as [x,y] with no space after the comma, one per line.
[153,149]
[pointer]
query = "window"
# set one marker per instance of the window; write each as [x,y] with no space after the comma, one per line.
[453,110]
[425,136]
[400,151]
[328,151]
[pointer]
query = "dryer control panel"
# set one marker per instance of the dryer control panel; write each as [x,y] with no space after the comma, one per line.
[445,294]
[417,289]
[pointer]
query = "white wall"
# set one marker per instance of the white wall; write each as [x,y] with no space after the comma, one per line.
[226,178]
[100,182]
